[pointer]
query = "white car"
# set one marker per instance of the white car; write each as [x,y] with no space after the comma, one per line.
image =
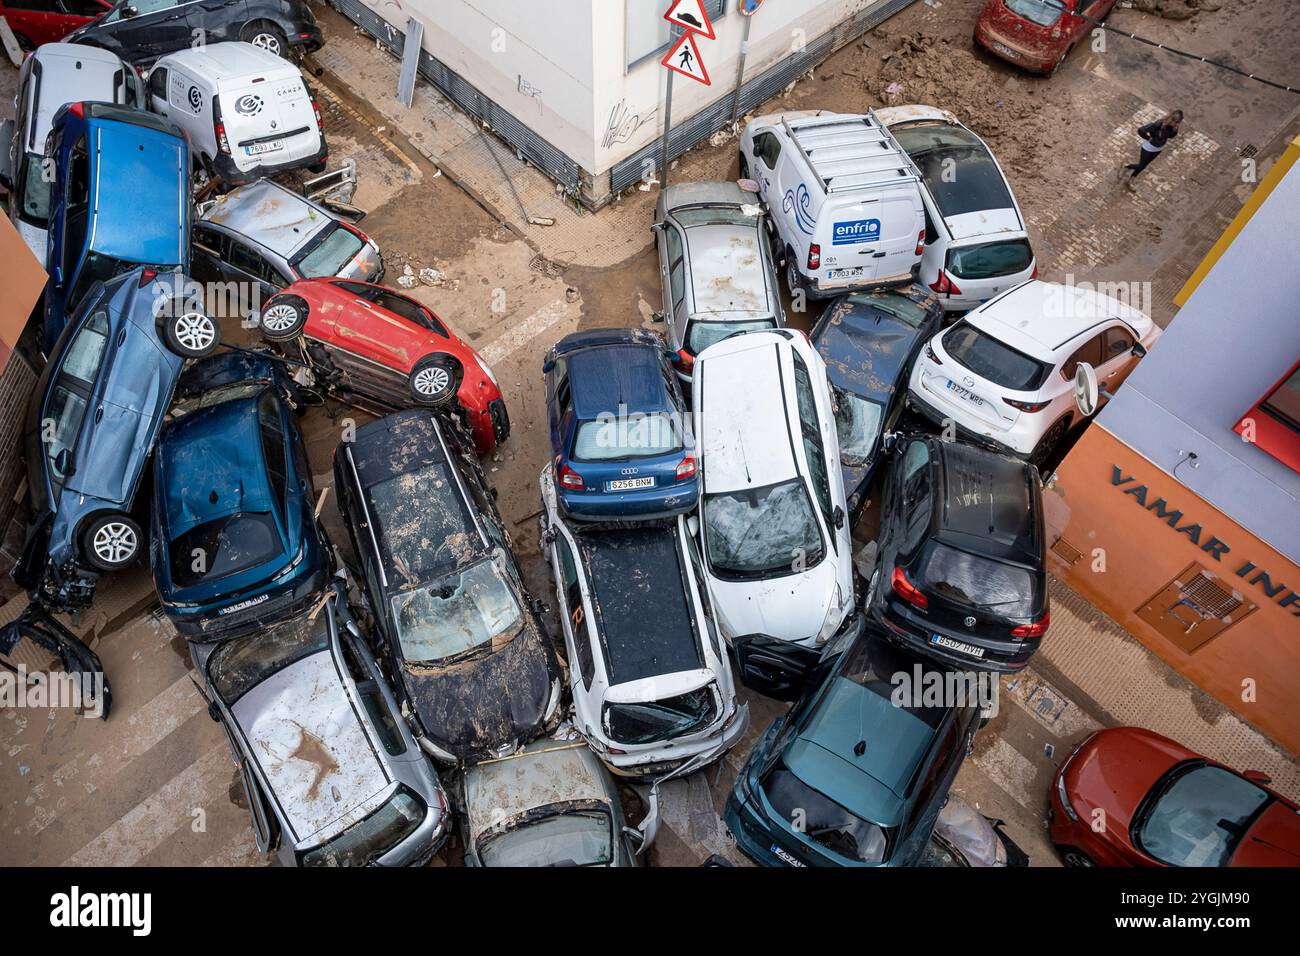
[652,686]
[1006,373]
[976,245]
[775,537]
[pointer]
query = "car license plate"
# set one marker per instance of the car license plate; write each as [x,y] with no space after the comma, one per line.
[627,484]
[854,272]
[940,640]
[257,149]
[965,393]
[1006,50]
[787,858]
[244,605]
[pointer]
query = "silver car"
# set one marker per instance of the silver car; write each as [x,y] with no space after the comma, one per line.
[331,772]
[715,264]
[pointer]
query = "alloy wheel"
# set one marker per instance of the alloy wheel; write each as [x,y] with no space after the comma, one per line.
[196,331]
[115,542]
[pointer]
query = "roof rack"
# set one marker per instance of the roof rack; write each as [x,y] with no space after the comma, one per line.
[846,152]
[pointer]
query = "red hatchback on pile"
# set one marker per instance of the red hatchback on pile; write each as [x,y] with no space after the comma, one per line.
[365,341]
[1037,34]
[47,21]
[1156,803]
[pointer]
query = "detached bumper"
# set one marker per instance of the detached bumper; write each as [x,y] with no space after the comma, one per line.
[645,768]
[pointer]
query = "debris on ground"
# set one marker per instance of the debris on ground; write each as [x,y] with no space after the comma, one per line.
[1176,9]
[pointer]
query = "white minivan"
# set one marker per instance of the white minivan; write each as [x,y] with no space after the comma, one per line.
[248,112]
[843,197]
[773,526]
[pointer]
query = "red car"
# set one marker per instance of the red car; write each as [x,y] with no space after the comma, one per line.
[369,342]
[47,21]
[1037,34]
[1130,797]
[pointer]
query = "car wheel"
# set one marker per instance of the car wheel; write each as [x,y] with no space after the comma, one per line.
[191,333]
[793,279]
[111,542]
[1047,444]
[284,318]
[1073,856]
[433,380]
[267,36]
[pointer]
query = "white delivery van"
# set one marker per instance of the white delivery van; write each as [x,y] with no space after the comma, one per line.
[843,197]
[248,112]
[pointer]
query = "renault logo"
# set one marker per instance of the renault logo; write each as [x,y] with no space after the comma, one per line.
[969,622]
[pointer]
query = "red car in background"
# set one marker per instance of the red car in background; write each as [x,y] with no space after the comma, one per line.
[1130,797]
[366,341]
[47,21]
[1037,34]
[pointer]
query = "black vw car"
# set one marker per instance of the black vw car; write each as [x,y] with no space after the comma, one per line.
[961,567]
[140,31]
[463,643]
[869,340]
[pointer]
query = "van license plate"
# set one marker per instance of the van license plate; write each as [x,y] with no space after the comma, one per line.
[627,484]
[940,640]
[257,149]
[852,273]
[965,393]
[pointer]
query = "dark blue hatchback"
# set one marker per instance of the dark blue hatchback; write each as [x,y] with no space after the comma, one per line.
[620,443]
[236,544]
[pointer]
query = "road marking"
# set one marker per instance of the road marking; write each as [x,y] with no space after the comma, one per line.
[1012,771]
[370,128]
[527,330]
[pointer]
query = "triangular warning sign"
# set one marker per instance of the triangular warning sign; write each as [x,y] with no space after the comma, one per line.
[684,57]
[691,16]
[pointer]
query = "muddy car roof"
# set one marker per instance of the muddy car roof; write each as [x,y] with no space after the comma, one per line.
[989,503]
[272,216]
[865,347]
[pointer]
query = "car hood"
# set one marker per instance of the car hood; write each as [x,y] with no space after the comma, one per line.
[791,608]
[1274,840]
[1116,768]
[544,773]
[475,707]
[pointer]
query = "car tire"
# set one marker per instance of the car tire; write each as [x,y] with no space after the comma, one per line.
[793,278]
[434,380]
[284,319]
[111,542]
[268,36]
[1073,856]
[191,333]
[1047,444]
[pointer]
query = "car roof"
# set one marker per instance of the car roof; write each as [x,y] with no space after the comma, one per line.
[269,214]
[988,503]
[1041,318]
[866,349]
[136,223]
[705,193]
[606,377]
[70,73]
[727,275]
[230,60]
[640,596]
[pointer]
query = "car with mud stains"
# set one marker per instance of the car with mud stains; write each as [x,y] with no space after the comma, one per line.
[91,425]
[1037,35]
[649,672]
[366,342]
[869,341]
[471,662]
[236,544]
[620,442]
[330,772]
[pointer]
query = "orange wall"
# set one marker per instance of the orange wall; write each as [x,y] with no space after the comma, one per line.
[1143,553]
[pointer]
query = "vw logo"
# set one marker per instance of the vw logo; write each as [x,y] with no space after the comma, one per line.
[249,104]
[968,382]
[969,622]
[629,471]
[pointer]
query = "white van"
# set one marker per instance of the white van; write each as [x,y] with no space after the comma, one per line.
[843,197]
[248,112]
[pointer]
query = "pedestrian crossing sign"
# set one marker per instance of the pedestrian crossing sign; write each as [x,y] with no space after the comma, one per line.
[684,57]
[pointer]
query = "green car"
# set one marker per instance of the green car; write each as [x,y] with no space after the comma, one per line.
[856,772]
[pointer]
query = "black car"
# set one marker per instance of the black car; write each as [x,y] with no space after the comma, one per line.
[961,567]
[869,340]
[140,31]
[463,643]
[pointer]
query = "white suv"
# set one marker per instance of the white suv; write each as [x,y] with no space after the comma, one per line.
[1006,373]
[773,527]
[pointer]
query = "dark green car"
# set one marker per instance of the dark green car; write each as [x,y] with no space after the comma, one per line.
[855,774]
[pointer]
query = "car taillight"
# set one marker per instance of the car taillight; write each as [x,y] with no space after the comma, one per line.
[570,478]
[684,361]
[686,467]
[1037,629]
[355,231]
[320,125]
[929,353]
[78,110]
[907,590]
[1034,275]
[944,285]
[147,276]
[1026,406]
[920,242]
[814,256]
[219,130]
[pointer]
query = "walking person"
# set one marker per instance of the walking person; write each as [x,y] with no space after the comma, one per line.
[1154,138]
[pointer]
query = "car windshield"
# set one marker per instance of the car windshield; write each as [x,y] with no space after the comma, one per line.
[994,360]
[762,532]
[241,663]
[857,422]
[822,820]
[899,306]
[576,838]
[328,256]
[716,216]
[1200,816]
[1042,12]
[36,193]
[372,837]
[224,546]
[981,582]
[461,612]
[634,435]
[990,259]
[701,335]
[650,721]
[233,392]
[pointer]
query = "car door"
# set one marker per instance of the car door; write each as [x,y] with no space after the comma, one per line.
[212,21]
[1117,358]
[672,273]
[36,21]
[244,264]
[157,90]
[207,250]
[146,29]
[573,617]
[767,156]
[1091,352]
[74,13]
[559,397]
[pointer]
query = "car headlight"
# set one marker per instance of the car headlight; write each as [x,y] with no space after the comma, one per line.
[487,370]
[554,703]
[834,615]
[297,560]
[1065,799]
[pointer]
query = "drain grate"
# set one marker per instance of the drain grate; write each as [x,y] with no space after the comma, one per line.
[1066,551]
[1248,151]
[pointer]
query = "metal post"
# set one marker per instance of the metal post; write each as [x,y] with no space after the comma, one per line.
[740,69]
[668,125]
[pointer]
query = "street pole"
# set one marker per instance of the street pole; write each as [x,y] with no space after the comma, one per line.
[740,69]
[668,125]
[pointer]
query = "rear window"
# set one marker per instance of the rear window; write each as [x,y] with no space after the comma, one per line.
[619,437]
[700,335]
[990,259]
[650,721]
[1042,12]
[331,254]
[994,360]
[226,546]
[980,582]
[899,306]
[822,820]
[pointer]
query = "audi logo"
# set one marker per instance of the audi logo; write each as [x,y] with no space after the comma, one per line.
[629,471]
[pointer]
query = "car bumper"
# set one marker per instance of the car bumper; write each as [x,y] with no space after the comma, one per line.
[755,837]
[666,502]
[486,415]
[1000,657]
[229,170]
[929,408]
[1040,60]
[207,623]
[826,288]
[308,36]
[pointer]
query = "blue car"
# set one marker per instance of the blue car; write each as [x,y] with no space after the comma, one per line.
[93,419]
[120,199]
[620,443]
[236,545]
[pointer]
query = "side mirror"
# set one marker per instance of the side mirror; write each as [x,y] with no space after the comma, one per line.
[548,536]
[888,441]
[837,516]
[129,11]
[659,317]
[548,366]
[1139,349]
[539,607]
[66,462]
[656,227]
[1257,776]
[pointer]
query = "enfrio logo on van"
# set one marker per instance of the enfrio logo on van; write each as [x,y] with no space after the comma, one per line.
[859,230]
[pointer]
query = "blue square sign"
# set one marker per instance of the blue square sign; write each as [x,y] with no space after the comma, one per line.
[859,230]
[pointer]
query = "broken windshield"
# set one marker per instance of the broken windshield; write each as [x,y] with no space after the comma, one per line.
[1042,12]
[461,612]
[649,721]
[240,664]
[857,422]
[762,532]
[981,582]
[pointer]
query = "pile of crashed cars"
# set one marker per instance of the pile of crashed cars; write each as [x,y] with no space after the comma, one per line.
[697,509]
